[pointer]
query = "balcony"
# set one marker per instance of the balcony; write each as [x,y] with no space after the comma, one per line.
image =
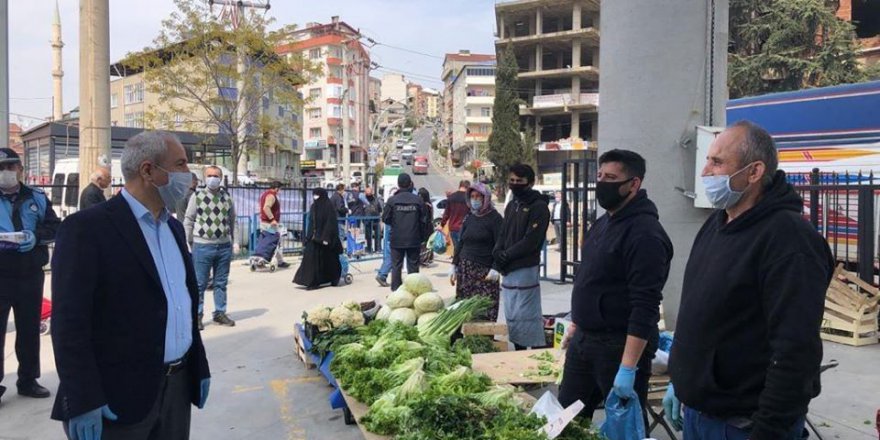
[334,121]
[334,61]
[586,72]
[588,36]
[560,103]
[477,137]
[480,81]
[479,100]
[478,119]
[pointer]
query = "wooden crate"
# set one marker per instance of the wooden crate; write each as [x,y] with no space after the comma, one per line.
[300,348]
[851,309]
[492,329]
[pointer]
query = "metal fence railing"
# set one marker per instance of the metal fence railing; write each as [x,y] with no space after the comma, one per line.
[845,209]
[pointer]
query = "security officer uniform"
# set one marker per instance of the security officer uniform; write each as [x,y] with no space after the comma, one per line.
[28,210]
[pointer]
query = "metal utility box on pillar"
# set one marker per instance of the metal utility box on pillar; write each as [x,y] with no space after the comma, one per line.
[664,71]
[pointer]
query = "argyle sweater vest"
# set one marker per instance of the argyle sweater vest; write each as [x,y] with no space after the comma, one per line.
[212,215]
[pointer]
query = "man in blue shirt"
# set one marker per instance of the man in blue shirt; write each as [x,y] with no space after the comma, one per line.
[130,358]
[25,213]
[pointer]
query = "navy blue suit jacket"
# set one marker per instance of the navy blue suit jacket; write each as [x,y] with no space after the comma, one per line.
[109,313]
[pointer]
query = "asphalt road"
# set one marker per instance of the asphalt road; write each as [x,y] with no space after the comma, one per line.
[436,181]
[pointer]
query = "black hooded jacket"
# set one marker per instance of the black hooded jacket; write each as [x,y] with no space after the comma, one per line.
[747,338]
[523,232]
[619,283]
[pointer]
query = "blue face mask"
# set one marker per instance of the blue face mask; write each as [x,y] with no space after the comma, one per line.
[476,205]
[174,191]
[719,192]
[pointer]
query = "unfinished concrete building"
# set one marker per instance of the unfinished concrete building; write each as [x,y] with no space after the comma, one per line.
[556,43]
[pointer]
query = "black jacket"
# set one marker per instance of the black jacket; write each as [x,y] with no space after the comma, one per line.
[619,283]
[373,208]
[91,196]
[339,204]
[478,238]
[108,326]
[407,215]
[523,232]
[747,338]
[30,209]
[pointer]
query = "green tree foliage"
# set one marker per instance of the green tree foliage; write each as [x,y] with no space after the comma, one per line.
[193,68]
[782,45]
[506,146]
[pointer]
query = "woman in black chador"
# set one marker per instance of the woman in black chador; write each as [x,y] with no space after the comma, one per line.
[320,263]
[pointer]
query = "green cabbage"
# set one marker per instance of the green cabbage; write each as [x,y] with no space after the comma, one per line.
[384,313]
[403,315]
[400,299]
[428,302]
[417,283]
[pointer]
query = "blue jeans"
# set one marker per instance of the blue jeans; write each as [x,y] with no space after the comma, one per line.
[216,257]
[386,254]
[699,426]
[456,237]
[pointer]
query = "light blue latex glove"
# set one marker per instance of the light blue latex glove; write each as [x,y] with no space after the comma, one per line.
[672,408]
[29,243]
[493,275]
[205,387]
[624,382]
[89,426]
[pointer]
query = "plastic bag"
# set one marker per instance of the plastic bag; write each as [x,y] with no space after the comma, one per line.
[557,417]
[623,419]
[437,242]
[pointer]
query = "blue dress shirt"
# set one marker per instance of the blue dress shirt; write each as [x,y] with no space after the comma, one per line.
[172,273]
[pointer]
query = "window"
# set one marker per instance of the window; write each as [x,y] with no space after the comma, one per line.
[315,113]
[334,91]
[114,100]
[483,129]
[178,118]
[134,93]
[280,111]
[467,111]
[315,93]
[336,71]
[134,119]
[335,111]
[314,54]
[486,111]
[335,52]
[481,71]
[315,133]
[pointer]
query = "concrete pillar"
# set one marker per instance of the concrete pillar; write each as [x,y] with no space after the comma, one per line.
[576,90]
[575,125]
[576,17]
[594,132]
[539,57]
[596,58]
[538,128]
[576,54]
[539,21]
[94,87]
[501,27]
[538,88]
[4,74]
[57,67]
[672,100]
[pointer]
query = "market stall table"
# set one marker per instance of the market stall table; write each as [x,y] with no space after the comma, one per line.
[514,367]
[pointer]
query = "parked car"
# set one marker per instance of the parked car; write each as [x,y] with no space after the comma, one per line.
[420,166]
[407,157]
[439,204]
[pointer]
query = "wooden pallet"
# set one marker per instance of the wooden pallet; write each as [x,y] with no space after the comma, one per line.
[492,329]
[851,309]
[300,348]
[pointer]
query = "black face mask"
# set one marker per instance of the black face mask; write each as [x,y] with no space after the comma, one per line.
[518,189]
[608,194]
[370,197]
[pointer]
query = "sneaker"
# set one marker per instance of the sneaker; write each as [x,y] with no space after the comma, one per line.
[33,389]
[283,264]
[222,319]
[201,324]
[382,282]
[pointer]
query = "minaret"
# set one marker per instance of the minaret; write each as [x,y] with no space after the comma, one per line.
[57,71]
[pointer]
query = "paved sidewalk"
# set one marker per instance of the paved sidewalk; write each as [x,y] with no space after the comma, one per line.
[260,390]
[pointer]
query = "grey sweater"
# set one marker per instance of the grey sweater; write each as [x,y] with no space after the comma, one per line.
[191,218]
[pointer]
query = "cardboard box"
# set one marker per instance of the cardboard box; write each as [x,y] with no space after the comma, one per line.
[560,328]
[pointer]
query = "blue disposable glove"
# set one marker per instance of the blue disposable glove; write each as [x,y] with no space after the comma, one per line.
[89,426]
[672,408]
[28,244]
[624,382]
[205,387]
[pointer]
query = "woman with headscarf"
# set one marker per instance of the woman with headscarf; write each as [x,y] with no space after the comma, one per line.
[472,271]
[426,255]
[320,264]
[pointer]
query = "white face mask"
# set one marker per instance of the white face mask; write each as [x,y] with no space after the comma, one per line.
[175,190]
[315,197]
[212,182]
[8,179]
[719,192]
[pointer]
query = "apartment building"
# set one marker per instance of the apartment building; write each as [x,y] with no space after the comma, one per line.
[133,105]
[865,16]
[416,100]
[431,98]
[395,103]
[334,46]
[473,96]
[556,43]
[453,63]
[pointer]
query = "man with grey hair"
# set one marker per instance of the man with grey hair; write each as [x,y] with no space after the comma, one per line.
[129,355]
[746,355]
[210,230]
[94,192]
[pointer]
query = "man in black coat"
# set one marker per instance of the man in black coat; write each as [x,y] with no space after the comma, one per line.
[615,302]
[746,356]
[129,355]
[94,192]
[407,216]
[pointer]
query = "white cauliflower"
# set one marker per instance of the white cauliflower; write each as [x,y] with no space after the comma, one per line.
[319,316]
[342,315]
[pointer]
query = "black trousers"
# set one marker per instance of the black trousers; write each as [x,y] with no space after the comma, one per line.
[592,362]
[412,264]
[24,296]
[169,418]
[371,230]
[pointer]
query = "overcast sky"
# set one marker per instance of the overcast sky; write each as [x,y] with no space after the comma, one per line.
[433,27]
